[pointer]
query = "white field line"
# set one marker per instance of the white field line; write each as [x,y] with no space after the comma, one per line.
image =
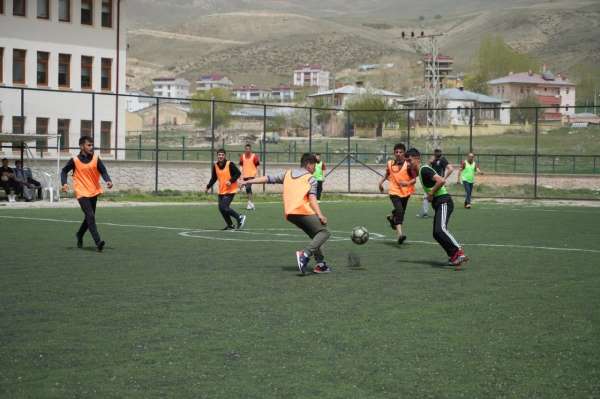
[188,232]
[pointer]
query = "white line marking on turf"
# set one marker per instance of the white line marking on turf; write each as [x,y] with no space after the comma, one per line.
[376,236]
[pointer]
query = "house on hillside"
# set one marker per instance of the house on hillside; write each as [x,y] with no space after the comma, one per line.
[171,87]
[485,108]
[340,96]
[443,63]
[308,75]
[213,81]
[170,114]
[250,93]
[282,93]
[551,91]
[137,100]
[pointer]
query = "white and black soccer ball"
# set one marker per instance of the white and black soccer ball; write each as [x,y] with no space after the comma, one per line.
[360,235]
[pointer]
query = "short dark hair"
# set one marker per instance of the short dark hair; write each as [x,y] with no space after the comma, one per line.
[221,151]
[248,145]
[4,159]
[413,152]
[85,139]
[437,151]
[399,146]
[307,158]
[317,153]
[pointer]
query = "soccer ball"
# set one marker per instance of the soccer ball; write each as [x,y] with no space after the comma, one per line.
[360,235]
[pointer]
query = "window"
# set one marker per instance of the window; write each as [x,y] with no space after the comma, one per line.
[19,66]
[567,90]
[19,8]
[64,70]
[1,63]
[86,128]
[63,132]
[87,12]
[86,72]
[18,124]
[43,9]
[1,6]
[42,68]
[105,137]
[41,127]
[107,13]
[64,10]
[106,73]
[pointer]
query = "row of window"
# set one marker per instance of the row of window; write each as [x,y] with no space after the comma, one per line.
[62,128]
[64,10]
[64,70]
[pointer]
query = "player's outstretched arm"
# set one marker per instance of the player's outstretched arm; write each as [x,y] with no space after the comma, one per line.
[256,180]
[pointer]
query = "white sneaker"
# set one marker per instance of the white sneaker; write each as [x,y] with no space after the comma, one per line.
[250,206]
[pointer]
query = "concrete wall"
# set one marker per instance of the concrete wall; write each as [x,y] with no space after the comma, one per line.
[193,176]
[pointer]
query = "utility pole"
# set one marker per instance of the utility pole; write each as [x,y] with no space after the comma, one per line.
[427,46]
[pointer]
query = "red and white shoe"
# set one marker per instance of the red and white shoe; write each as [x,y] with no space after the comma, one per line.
[458,258]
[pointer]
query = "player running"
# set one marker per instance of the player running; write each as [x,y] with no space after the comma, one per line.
[249,163]
[401,184]
[468,169]
[87,169]
[227,174]
[441,201]
[302,209]
[442,167]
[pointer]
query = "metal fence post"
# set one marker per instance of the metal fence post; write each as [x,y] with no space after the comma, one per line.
[310,130]
[140,147]
[94,116]
[264,146]
[156,150]
[471,130]
[183,148]
[212,135]
[535,158]
[348,151]
[407,129]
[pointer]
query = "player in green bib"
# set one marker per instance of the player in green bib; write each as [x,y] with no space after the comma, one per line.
[441,201]
[466,176]
[318,175]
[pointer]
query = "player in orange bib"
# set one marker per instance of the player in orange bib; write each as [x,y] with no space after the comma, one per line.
[401,185]
[249,162]
[227,174]
[87,169]
[302,209]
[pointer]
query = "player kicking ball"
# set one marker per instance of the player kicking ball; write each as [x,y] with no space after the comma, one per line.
[441,201]
[302,209]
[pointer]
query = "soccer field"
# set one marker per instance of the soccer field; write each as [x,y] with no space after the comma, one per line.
[174,309]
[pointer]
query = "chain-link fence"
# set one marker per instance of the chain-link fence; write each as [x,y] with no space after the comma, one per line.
[533,152]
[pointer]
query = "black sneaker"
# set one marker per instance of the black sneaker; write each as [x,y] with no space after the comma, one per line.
[390,220]
[401,239]
[100,246]
[230,227]
[79,241]
[241,222]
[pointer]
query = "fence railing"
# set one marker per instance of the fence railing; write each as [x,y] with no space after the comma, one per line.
[531,141]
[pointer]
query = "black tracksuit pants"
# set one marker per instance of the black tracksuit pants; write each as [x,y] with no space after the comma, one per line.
[443,207]
[225,208]
[88,206]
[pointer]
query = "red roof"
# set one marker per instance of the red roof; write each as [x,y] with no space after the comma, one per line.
[309,66]
[246,88]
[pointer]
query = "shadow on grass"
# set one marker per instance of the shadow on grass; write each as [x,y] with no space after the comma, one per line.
[431,263]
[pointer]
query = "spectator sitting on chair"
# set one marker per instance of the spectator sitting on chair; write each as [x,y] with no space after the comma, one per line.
[7,178]
[27,184]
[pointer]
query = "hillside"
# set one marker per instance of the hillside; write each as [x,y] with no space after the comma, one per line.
[261,41]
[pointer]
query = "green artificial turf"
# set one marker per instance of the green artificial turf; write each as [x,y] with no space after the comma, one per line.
[159,314]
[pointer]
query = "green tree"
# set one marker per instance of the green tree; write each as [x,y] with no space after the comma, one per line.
[201,109]
[587,77]
[369,110]
[495,59]
[523,112]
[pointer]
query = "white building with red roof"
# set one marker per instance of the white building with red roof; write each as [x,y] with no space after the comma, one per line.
[311,75]
[213,81]
[554,92]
